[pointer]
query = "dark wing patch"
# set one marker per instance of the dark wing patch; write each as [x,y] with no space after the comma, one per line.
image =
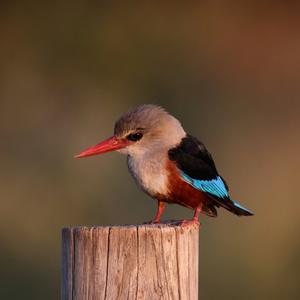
[193,159]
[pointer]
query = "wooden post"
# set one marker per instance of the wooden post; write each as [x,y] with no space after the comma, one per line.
[130,262]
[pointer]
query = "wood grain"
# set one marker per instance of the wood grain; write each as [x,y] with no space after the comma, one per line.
[130,262]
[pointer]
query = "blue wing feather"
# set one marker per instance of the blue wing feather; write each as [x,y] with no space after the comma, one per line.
[214,187]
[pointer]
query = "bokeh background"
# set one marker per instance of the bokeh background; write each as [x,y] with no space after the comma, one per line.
[229,70]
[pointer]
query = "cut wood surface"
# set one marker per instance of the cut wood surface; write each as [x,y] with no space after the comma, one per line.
[130,262]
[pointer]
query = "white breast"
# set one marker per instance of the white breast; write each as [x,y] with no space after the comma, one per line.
[150,173]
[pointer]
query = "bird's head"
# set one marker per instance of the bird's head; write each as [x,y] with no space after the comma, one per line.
[142,130]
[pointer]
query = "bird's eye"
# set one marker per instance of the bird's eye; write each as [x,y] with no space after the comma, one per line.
[134,136]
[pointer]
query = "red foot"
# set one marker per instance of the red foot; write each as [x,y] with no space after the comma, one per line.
[194,221]
[152,222]
[185,223]
[155,221]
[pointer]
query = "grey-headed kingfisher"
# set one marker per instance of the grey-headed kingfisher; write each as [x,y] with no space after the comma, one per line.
[168,164]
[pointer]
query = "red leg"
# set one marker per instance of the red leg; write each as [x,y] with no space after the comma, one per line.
[196,213]
[160,209]
[195,219]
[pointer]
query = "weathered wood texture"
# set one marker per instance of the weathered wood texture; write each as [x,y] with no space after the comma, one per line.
[130,262]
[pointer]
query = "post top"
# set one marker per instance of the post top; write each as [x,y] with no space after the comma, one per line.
[164,225]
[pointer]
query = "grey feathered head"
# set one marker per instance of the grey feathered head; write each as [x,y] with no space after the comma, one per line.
[143,117]
[149,126]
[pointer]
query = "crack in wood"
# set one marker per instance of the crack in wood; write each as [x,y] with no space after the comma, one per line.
[107,261]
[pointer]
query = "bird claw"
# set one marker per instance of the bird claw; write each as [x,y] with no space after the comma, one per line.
[152,222]
[185,223]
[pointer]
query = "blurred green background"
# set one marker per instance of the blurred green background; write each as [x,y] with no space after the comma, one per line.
[228,70]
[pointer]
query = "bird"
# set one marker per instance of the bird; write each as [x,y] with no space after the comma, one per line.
[168,164]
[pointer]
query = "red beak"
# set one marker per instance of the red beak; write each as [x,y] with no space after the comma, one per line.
[111,144]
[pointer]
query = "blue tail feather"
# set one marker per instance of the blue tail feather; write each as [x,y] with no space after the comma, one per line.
[241,210]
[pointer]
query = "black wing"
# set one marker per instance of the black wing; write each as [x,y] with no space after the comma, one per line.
[198,169]
[193,159]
